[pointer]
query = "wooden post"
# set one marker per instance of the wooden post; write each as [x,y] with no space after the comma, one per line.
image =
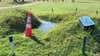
[76,10]
[53,12]
[97,12]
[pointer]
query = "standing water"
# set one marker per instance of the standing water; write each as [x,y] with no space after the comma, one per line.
[46,26]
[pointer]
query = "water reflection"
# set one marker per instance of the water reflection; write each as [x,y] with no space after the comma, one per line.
[46,25]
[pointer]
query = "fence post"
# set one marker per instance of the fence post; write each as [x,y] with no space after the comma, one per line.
[52,11]
[84,46]
[97,12]
[11,45]
[76,10]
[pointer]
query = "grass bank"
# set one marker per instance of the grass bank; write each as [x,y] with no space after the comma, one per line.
[14,20]
[65,39]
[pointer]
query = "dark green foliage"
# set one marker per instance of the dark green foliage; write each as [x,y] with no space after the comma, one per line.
[35,22]
[53,18]
[15,21]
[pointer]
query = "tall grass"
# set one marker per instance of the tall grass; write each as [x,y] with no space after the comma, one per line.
[65,39]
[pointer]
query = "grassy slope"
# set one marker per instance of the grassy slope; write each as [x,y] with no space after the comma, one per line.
[64,39]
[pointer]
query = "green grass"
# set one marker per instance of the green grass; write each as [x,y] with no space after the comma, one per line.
[65,39]
[64,8]
[5,3]
[84,7]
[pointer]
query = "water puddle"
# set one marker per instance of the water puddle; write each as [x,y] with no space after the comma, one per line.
[46,26]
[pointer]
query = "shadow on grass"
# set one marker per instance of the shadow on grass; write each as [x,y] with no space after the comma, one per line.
[36,39]
[96,35]
[96,32]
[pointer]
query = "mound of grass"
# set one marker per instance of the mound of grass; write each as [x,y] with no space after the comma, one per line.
[14,20]
[65,39]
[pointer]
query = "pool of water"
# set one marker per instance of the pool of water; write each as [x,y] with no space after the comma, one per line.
[46,26]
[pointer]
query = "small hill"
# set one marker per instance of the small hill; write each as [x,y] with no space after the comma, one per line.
[65,39]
